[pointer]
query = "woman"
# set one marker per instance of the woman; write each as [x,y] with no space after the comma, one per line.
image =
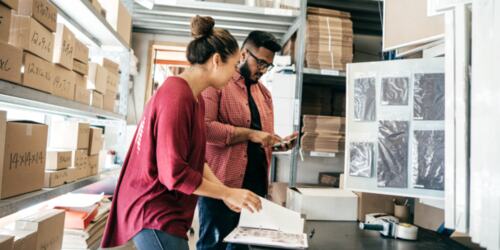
[165,168]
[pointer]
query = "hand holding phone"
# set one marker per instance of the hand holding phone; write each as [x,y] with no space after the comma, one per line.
[288,143]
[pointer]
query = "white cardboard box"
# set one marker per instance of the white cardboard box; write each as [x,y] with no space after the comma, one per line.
[330,204]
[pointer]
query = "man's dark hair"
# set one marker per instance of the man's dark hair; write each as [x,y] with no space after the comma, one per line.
[264,39]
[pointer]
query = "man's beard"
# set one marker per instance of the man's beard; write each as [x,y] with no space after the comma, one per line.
[247,75]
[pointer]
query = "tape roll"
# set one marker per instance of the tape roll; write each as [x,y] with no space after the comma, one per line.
[406,231]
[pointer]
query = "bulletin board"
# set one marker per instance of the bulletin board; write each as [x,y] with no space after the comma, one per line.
[395,128]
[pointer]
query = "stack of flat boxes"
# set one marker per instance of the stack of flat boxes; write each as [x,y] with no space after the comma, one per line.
[329,39]
[74,137]
[323,134]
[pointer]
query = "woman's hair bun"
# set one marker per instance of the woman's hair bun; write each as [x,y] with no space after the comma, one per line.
[202,26]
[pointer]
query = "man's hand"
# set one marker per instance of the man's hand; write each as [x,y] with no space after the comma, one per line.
[288,143]
[263,138]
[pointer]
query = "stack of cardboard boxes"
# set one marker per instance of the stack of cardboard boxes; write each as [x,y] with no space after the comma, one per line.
[323,133]
[22,156]
[103,81]
[82,143]
[113,78]
[81,69]
[43,230]
[329,39]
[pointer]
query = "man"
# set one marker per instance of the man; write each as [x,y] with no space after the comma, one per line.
[240,136]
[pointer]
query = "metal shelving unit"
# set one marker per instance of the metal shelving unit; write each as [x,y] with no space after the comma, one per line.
[84,18]
[20,96]
[17,203]
[366,16]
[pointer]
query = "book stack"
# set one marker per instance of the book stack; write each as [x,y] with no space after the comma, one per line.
[323,134]
[329,39]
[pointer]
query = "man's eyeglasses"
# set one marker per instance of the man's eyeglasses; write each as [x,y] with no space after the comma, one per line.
[261,64]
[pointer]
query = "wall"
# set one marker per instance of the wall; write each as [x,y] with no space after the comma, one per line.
[141,43]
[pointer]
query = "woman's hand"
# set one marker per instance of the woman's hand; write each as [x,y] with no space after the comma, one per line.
[238,199]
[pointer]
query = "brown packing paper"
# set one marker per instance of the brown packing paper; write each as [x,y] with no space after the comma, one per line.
[96,100]
[69,135]
[96,140]
[23,239]
[63,84]
[82,94]
[26,33]
[81,52]
[80,68]
[49,225]
[13,4]
[42,10]
[58,160]
[5,22]
[64,47]
[23,148]
[11,59]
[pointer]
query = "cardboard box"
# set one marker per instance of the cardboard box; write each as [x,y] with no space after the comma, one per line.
[38,73]
[341,183]
[80,68]
[50,227]
[428,217]
[56,178]
[41,10]
[58,160]
[80,159]
[329,179]
[97,6]
[63,84]
[64,47]
[22,154]
[112,82]
[81,52]
[6,242]
[93,165]
[277,193]
[110,65]
[375,203]
[29,35]
[330,204]
[82,94]
[119,18]
[97,78]
[71,175]
[23,239]
[11,60]
[95,141]
[96,100]
[13,4]
[69,135]
[109,100]
[5,22]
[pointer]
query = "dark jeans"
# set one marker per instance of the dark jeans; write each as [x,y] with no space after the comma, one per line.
[149,239]
[216,222]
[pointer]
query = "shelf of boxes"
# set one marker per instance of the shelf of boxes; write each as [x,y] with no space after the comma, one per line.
[83,17]
[20,96]
[12,205]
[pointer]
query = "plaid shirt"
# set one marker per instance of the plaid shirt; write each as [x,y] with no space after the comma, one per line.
[224,110]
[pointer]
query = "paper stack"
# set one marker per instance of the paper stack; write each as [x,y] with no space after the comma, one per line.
[329,39]
[323,133]
[274,226]
[86,217]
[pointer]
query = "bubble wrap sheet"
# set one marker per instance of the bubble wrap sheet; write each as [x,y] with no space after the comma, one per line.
[364,99]
[392,164]
[395,91]
[428,159]
[361,154]
[429,97]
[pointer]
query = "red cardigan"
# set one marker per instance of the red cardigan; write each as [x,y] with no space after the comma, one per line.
[163,167]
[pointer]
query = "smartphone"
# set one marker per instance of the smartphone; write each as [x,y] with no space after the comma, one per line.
[279,146]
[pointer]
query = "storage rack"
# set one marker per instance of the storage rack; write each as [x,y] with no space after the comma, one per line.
[91,28]
[366,17]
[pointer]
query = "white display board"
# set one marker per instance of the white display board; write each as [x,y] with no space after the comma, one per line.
[398,103]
